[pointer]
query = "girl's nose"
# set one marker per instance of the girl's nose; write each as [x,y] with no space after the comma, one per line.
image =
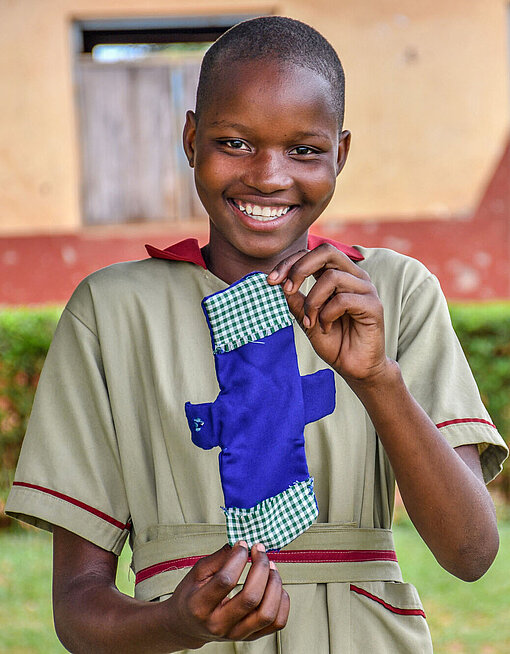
[267,172]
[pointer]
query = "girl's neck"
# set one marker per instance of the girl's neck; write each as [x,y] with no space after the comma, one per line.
[230,264]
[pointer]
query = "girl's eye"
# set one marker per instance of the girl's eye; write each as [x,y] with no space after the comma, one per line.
[303,150]
[236,144]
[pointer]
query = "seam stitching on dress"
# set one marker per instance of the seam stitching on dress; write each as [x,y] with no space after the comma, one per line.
[430,277]
[81,322]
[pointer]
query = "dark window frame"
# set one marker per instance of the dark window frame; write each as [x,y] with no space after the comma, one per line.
[124,31]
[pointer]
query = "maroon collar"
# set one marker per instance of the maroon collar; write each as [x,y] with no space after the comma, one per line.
[189,250]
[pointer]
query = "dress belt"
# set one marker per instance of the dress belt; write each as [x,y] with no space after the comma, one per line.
[325,553]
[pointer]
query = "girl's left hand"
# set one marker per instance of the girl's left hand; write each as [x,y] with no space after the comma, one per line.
[342,315]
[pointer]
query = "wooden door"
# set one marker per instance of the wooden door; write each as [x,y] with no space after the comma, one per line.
[131,115]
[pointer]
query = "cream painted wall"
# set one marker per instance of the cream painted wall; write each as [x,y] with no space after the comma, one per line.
[427,101]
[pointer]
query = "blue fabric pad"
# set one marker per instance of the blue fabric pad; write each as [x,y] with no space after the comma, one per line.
[259,416]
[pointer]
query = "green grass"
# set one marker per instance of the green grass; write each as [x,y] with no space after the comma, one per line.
[463,618]
[26,623]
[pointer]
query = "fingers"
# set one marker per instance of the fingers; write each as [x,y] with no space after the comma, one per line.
[292,271]
[203,611]
[280,620]
[318,303]
[270,615]
[365,309]
[335,274]
[208,565]
[260,606]
[219,574]
[333,295]
[279,274]
[252,593]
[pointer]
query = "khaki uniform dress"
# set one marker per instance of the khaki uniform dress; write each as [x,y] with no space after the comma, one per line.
[108,452]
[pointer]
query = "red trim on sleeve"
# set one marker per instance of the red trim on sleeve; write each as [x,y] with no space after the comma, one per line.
[286,556]
[459,421]
[81,505]
[390,607]
[189,250]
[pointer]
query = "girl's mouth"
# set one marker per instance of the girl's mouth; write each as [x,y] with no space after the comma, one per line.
[259,213]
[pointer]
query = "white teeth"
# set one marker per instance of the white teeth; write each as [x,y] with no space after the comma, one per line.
[262,214]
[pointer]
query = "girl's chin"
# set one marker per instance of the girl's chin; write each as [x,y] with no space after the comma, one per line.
[265,253]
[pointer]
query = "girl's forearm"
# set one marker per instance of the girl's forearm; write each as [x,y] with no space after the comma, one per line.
[99,618]
[447,502]
[92,615]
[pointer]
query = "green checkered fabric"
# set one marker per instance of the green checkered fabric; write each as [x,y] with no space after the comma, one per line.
[277,521]
[245,312]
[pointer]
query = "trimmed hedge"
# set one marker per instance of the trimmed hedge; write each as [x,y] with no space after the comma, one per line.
[484,331]
[25,335]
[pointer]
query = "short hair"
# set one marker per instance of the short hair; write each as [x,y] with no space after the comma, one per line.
[278,38]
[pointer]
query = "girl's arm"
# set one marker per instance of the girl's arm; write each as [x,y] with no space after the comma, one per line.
[92,615]
[443,490]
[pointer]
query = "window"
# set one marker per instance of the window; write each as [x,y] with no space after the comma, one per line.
[134,82]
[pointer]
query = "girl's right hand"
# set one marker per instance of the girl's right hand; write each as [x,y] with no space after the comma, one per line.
[202,611]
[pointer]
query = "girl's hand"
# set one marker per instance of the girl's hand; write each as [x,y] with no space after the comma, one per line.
[202,610]
[92,615]
[342,315]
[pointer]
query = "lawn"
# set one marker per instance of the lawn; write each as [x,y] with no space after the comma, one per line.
[464,618]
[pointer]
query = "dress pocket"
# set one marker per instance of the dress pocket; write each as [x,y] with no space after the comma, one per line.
[387,618]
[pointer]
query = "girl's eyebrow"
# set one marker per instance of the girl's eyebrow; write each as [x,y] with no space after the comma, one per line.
[228,124]
[297,136]
[317,133]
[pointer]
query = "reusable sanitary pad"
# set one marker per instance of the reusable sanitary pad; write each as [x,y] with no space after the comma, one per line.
[259,416]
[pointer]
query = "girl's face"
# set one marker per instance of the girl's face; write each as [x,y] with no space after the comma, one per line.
[266,152]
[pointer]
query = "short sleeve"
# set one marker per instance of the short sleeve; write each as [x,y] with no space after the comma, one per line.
[69,472]
[439,378]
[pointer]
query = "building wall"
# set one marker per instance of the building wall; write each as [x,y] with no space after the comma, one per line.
[427,102]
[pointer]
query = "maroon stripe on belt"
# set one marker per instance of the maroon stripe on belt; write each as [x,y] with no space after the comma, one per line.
[287,556]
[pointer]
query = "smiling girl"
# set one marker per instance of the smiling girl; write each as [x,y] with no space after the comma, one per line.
[108,452]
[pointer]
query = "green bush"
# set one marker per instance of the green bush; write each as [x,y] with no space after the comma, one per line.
[484,331]
[25,335]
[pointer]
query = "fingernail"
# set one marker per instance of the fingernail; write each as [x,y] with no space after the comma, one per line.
[272,565]
[288,286]
[306,321]
[273,275]
[243,543]
[260,547]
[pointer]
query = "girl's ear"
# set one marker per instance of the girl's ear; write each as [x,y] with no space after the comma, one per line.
[344,144]
[188,137]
